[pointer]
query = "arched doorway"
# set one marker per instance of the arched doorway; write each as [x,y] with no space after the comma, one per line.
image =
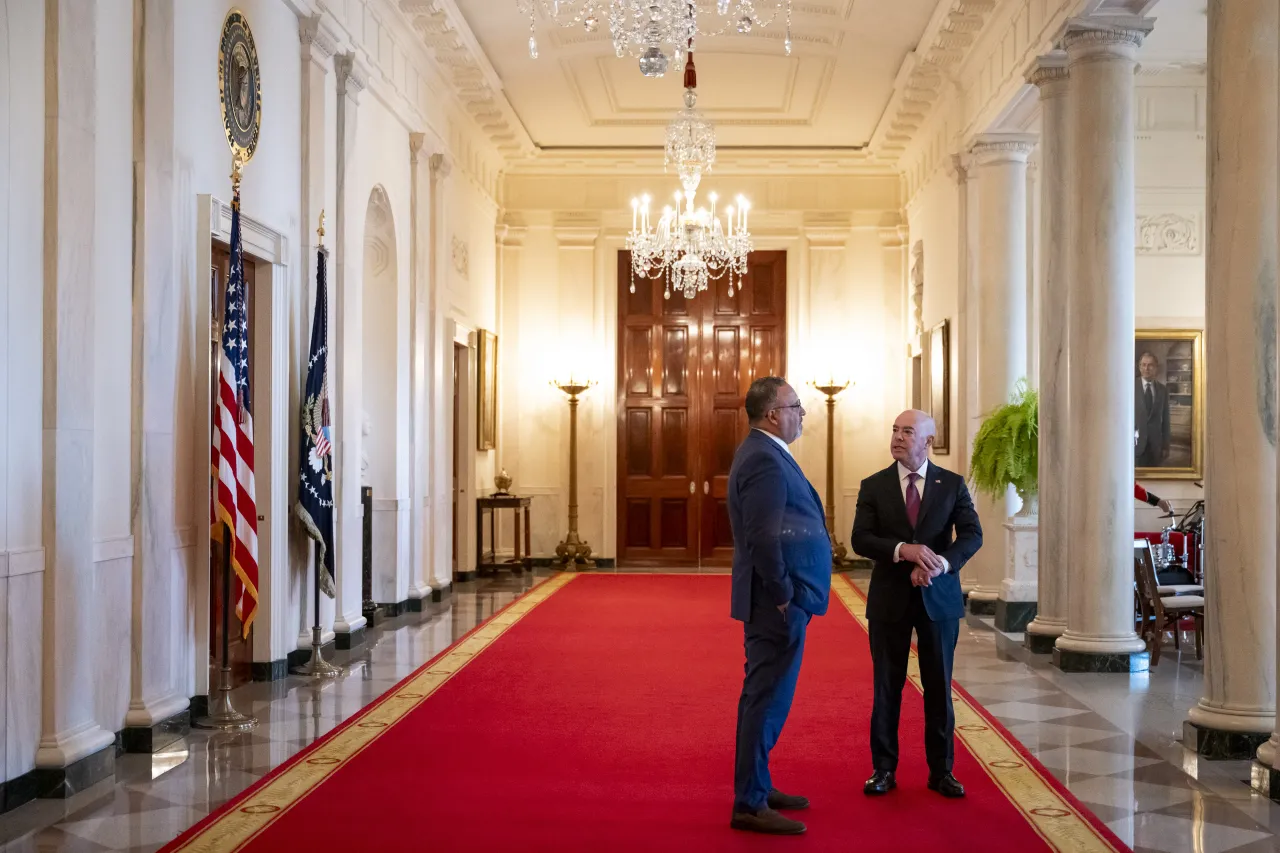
[381,417]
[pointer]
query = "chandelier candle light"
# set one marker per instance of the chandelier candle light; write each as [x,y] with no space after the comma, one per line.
[689,246]
[656,31]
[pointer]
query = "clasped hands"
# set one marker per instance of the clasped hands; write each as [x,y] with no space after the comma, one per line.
[928,564]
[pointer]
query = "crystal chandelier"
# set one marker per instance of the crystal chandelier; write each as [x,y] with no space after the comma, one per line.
[656,31]
[689,246]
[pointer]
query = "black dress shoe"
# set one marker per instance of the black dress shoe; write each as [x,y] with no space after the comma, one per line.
[881,782]
[947,786]
[787,802]
[766,821]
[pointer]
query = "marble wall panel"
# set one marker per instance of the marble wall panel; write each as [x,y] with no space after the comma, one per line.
[24,638]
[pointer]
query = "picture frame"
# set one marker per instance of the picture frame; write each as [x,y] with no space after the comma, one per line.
[1169,404]
[940,385]
[486,390]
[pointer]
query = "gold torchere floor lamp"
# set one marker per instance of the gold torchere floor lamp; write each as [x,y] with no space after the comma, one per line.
[832,388]
[572,551]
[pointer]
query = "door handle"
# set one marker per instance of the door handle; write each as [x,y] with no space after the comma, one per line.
[691,488]
[706,487]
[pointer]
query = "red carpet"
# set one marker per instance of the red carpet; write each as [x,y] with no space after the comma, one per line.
[602,719]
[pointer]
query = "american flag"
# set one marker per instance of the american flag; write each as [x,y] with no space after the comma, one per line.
[234,502]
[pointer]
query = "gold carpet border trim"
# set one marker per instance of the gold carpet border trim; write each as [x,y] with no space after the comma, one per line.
[241,824]
[1057,820]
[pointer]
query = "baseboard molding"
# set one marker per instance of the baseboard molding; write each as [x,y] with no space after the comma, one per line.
[273,670]
[347,640]
[153,738]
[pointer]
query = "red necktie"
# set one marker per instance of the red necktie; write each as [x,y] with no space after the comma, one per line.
[913,499]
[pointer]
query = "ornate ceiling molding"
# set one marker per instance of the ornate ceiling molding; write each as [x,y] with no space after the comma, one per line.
[945,45]
[453,46]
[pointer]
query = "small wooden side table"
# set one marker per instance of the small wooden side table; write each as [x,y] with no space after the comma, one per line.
[487,561]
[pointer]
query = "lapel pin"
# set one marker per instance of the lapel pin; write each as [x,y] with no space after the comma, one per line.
[937,481]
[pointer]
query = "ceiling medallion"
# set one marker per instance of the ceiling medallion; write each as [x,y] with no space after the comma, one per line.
[656,31]
[689,246]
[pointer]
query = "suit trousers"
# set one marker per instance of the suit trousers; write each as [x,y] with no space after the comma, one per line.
[774,645]
[890,651]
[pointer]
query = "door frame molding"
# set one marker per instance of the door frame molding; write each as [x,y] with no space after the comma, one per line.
[278,600]
[789,240]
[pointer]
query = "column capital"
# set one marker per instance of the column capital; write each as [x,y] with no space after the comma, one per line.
[1118,35]
[417,141]
[509,236]
[353,74]
[958,166]
[990,148]
[1048,73]
[441,165]
[319,39]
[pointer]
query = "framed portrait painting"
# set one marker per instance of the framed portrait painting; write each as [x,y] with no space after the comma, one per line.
[1168,404]
[940,385]
[487,390]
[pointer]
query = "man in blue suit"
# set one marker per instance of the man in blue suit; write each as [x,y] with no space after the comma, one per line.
[781,578]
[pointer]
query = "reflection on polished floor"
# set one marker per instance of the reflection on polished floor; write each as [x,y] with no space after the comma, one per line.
[1112,739]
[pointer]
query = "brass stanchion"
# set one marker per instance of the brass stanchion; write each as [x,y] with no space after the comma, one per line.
[573,551]
[839,554]
[222,714]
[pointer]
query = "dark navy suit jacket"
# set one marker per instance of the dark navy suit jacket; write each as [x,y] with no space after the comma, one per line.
[947,524]
[781,549]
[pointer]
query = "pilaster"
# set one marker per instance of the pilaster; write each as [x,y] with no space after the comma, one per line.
[440,410]
[349,621]
[74,751]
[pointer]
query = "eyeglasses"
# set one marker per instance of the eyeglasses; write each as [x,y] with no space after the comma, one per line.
[792,406]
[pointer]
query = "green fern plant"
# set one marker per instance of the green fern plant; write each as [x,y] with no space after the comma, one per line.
[1006,448]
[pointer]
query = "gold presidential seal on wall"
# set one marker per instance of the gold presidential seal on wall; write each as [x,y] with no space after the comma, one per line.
[239,87]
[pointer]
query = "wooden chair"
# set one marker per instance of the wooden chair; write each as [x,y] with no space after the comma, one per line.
[1159,613]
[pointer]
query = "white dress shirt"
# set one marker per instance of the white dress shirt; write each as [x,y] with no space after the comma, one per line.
[781,443]
[904,473]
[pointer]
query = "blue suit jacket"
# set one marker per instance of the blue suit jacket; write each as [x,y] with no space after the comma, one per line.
[781,549]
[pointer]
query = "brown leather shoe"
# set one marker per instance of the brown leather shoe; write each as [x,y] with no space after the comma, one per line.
[767,821]
[786,802]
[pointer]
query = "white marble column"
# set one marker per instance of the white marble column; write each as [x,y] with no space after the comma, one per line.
[155,695]
[1100,117]
[319,43]
[440,360]
[1001,169]
[1238,708]
[68,732]
[419,375]
[1049,73]
[349,620]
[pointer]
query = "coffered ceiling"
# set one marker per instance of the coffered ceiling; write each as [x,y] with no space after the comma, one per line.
[830,93]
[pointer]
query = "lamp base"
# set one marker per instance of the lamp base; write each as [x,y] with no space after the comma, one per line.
[573,551]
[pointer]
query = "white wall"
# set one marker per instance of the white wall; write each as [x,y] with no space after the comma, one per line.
[21,381]
[845,269]
[147,338]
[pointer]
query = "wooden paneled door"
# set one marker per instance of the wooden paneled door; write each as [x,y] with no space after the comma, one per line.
[684,366]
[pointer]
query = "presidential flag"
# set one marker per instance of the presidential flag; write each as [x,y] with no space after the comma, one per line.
[315,478]
[232,460]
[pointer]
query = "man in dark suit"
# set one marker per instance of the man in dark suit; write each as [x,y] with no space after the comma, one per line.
[781,578]
[1150,415]
[917,522]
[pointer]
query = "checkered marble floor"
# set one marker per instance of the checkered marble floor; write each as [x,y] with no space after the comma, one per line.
[1112,739]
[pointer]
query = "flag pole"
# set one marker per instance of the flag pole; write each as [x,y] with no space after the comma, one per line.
[222,714]
[317,666]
